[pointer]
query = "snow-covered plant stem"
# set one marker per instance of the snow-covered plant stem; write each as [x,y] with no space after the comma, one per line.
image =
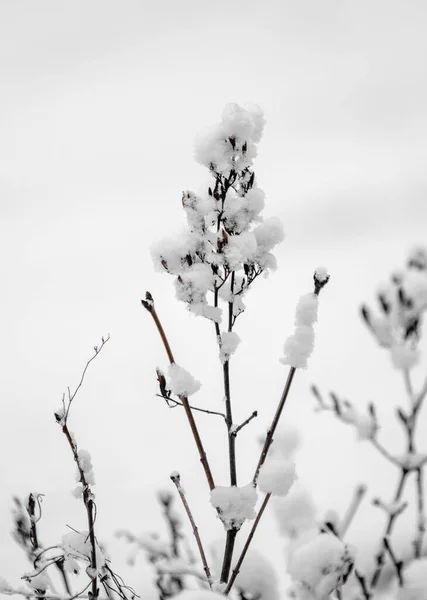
[87,495]
[319,283]
[148,304]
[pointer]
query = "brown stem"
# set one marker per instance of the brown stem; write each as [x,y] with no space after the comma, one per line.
[247,544]
[148,304]
[274,423]
[176,480]
[398,564]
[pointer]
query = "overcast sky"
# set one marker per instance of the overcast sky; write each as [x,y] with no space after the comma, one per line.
[100,102]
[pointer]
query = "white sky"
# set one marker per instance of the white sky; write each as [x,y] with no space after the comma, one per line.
[99,104]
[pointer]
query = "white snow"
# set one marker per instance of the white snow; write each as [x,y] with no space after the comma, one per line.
[235,504]
[321,273]
[229,343]
[181,382]
[403,357]
[257,578]
[296,512]
[320,564]
[85,463]
[277,476]
[299,346]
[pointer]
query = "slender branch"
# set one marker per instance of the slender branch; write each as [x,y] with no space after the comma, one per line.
[398,564]
[363,585]
[248,420]
[247,544]
[148,304]
[421,514]
[274,423]
[203,410]
[352,509]
[177,481]
[74,394]
[389,527]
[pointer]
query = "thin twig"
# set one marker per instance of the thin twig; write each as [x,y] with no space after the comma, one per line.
[177,481]
[274,423]
[358,496]
[74,394]
[247,544]
[388,530]
[398,564]
[203,410]
[421,518]
[148,304]
[248,420]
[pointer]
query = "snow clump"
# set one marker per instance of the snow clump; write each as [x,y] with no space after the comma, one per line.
[228,345]
[300,345]
[181,382]
[235,504]
[321,566]
[277,476]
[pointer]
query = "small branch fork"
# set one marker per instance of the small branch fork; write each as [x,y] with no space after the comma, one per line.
[148,304]
[175,477]
[409,423]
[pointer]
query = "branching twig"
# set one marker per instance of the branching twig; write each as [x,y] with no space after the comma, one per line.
[248,420]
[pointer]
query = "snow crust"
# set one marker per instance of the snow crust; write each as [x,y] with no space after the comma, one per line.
[235,504]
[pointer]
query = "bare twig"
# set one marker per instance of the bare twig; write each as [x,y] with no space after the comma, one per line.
[248,420]
[177,481]
[74,394]
[274,423]
[421,517]
[203,410]
[358,496]
[398,564]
